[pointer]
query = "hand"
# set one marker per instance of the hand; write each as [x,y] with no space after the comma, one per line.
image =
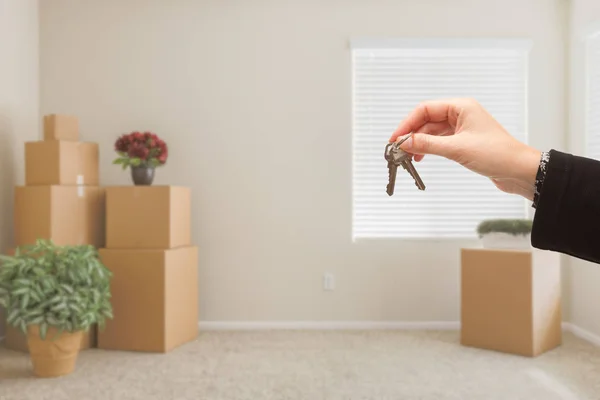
[461,130]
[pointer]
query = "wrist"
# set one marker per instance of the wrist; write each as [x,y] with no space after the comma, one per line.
[527,166]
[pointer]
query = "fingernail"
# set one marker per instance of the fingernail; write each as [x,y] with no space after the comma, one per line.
[408,143]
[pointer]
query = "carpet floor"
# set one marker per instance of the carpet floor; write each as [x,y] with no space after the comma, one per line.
[289,365]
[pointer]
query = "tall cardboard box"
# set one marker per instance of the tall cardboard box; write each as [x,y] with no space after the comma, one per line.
[61,199]
[68,215]
[61,162]
[154,299]
[148,217]
[511,300]
[15,340]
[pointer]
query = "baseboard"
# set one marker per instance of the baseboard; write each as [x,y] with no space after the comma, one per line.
[582,333]
[327,325]
[362,325]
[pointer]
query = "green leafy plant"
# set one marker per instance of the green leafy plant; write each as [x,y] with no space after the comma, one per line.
[511,226]
[66,287]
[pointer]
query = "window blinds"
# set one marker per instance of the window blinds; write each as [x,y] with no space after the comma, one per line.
[389,80]
[593,97]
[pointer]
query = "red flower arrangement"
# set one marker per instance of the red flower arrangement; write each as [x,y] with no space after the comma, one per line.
[138,149]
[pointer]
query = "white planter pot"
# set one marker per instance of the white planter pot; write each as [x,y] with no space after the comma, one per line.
[500,240]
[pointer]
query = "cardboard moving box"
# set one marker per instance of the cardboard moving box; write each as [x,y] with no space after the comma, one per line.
[61,127]
[511,300]
[154,299]
[60,162]
[68,215]
[148,217]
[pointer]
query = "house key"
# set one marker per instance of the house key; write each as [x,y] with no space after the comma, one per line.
[395,156]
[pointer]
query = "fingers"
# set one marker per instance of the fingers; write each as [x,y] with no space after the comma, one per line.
[436,111]
[422,143]
[436,128]
[433,128]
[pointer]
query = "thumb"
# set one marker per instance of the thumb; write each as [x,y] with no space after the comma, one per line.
[424,143]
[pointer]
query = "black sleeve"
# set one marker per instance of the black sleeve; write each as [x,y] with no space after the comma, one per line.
[567,203]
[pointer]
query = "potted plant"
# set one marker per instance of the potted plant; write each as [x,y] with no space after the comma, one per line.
[142,152]
[505,233]
[54,294]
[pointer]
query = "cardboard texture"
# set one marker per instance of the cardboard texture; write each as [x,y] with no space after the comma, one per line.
[511,301]
[60,162]
[61,127]
[68,215]
[148,217]
[154,298]
[15,340]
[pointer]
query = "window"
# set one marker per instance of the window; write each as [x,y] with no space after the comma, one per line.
[390,78]
[592,124]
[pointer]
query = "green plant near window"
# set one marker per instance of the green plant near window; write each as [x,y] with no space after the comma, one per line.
[510,226]
[64,287]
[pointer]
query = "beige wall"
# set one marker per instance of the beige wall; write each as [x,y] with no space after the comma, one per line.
[229,84]
[19,101]
[584,276]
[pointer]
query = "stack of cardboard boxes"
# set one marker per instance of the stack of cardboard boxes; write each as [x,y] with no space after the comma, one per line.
[143,233]
[61,199]
[155,269]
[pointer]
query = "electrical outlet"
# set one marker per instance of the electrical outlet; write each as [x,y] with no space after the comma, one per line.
[328,281]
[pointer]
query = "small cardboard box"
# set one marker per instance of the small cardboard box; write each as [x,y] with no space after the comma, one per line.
[148,217]
[61,162]
[15,339]
[67,215]
[154,299]
[61,127]
[511,300]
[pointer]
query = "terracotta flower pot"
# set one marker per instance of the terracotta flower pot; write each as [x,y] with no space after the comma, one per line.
[53,356]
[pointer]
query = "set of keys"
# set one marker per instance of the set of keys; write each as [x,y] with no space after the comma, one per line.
[396,157]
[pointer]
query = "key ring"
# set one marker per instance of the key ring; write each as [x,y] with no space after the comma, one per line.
[395,145]
[403,140]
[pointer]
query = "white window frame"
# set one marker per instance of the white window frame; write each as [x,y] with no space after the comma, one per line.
[370,43]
